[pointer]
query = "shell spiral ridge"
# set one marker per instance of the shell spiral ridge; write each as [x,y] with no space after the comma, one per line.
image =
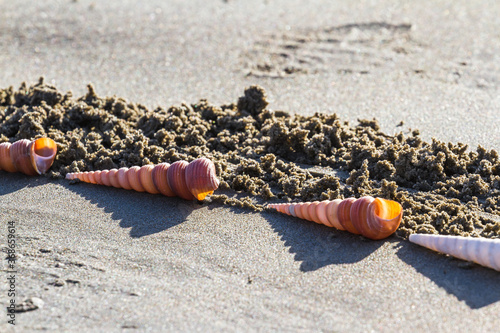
[29,157]
[373,218]
[194,180]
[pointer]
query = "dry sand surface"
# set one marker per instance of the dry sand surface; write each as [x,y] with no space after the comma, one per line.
[105,259]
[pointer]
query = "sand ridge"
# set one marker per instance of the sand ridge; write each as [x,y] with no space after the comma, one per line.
[267,155]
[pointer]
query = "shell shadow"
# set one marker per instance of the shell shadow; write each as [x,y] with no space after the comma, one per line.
[144,213]
[12,182]
[477,286]
[316,245]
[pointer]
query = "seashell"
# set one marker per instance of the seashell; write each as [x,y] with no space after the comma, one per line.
[374,218]
[29,157]
[189,181]
[482,251]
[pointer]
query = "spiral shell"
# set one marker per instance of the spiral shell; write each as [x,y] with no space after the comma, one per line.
[374,218]
[482,251]
[189,181]
[29,157]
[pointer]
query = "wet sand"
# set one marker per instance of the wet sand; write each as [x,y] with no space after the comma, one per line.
[104,257]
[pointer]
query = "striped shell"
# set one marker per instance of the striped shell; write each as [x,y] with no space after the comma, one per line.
[483,251]
[189,181]
[374,218]
[29,157]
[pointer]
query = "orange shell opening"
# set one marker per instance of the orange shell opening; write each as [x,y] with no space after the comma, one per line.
[202,195]
[44,147]
[43,152]
[387,209]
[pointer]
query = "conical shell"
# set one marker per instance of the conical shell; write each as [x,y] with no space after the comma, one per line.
[29,157]
[189,181]
[374,218]
[483,251]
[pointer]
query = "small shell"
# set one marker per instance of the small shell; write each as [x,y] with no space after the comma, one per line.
[189,181]
[483,251]
[29,157]
[374,218]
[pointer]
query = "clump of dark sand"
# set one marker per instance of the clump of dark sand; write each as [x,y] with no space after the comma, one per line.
[268,155]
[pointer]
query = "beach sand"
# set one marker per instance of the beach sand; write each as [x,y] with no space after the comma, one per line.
[108,259]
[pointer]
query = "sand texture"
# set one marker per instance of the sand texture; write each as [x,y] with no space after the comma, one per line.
[293,101]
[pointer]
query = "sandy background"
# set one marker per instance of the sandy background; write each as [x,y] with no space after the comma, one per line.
[104,258]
